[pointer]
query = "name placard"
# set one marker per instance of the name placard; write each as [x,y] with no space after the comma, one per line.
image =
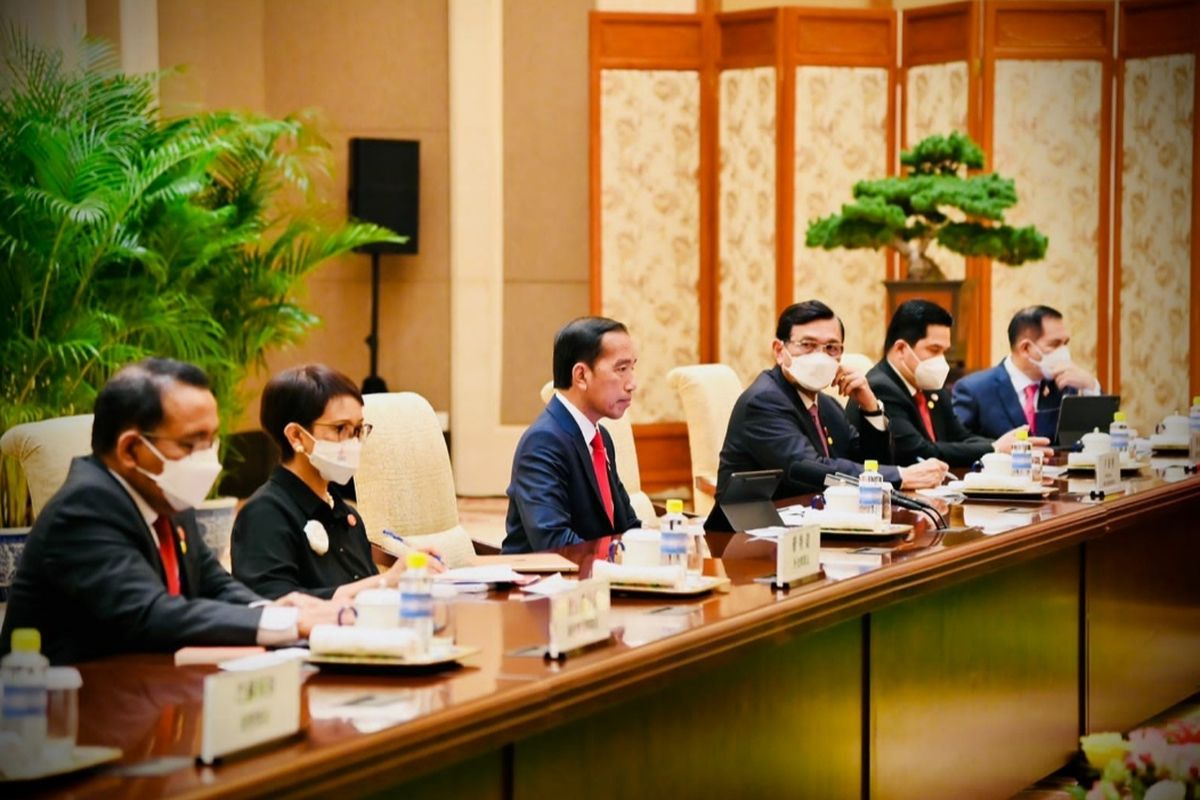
[1108,471]
[246,709]
[578,617]
[797,554]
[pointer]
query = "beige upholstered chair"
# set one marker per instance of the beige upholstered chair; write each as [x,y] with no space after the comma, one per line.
[708,392]
[404,481]
[621,432]
[852,361]
[45,449]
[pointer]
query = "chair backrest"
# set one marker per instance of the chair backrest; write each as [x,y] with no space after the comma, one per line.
[621,431]
[853,361]
[404,481]
[45,449]
[708,393]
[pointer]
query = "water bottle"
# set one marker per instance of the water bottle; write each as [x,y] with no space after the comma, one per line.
[416,599]
[870,490]
[675,537]
[1118,432]
[1022,456]
[23,673]
[1194,430]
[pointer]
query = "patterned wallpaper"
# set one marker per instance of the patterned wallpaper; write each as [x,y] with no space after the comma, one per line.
[841,137]
[649,223]
[936,103]
[1047,138]
[1156,237]
[746,198]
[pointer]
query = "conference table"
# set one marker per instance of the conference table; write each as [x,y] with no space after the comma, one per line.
[965,667]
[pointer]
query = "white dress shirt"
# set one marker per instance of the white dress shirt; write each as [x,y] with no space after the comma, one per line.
[586,429]
[879,421]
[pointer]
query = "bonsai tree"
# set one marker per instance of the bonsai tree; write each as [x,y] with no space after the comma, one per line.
[909,212]
[123,235]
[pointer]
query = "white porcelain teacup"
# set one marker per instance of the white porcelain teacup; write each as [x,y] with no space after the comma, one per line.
[638,548]
[377,608]
[1096,442]
[997,463]
[842,499]
[1174,427]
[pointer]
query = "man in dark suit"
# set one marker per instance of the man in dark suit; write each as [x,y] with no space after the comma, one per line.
[909,380]
[564,487]
[1027,386]
[115,562]
[784,421]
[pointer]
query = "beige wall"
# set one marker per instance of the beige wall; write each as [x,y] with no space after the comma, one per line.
[545,190]
[372,68]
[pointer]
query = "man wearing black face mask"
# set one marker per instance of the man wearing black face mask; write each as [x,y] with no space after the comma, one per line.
[909,381]
[115,562]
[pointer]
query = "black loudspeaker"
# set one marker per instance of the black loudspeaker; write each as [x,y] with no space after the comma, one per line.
[385,180]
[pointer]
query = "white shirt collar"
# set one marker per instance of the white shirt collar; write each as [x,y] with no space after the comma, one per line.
[586,428]
[148,513]
[912,390]
[1019,379]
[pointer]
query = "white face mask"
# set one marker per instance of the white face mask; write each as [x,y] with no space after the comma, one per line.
[335,461]
[813,371]
[931,373]
[1053,361]
[185,482]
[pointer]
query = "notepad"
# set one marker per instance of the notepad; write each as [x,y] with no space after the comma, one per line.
[186,656]
[529,562]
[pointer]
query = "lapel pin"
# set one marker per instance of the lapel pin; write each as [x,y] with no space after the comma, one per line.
[829,439]
[935,397]
[930,404]
[350,520]
[1045,391]
[182,539]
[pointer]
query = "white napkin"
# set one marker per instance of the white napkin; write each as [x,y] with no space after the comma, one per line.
[637,576]
[349,640]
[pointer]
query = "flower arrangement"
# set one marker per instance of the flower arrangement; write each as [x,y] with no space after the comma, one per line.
[1152,764]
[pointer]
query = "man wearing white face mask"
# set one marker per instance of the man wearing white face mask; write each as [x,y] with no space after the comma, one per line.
[784,421]
[115,562]
[1027,386]
[909,381]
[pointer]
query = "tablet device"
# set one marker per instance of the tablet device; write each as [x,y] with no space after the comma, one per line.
[745,504]
[1078,415]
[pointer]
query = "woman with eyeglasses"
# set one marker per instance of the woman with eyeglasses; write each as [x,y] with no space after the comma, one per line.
[296,533]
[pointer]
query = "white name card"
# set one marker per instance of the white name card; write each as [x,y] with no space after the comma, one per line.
[797,554]
[579,617]
[245,709]
[1108,471]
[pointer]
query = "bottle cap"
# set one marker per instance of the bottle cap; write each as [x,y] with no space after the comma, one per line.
[1119,416]
[871,465]
[63,678]
[27,640]
[1022,435]
[674,506]
[417,559]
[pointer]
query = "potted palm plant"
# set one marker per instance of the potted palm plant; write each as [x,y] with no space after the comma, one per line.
[125,235]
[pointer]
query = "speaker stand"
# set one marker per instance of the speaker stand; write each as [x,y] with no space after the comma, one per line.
[373,384]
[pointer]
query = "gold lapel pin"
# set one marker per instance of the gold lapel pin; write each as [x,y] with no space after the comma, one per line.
[182,538]
[829,439]
[930,404]
[350,520]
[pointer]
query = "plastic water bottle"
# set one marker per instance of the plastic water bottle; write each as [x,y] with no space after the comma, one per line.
[1118,432]
[870,490]
[1194,414]
[416,598]
[1022,456]
[23,673]
[675,537]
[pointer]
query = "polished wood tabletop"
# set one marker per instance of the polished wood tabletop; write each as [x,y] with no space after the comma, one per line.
[370,728]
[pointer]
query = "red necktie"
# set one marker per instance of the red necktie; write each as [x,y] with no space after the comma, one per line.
[1030,405]
[923,407]
[820,430]
[600,467]
[166,549]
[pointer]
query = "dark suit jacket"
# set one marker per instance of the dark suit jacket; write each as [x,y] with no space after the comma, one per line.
[987,404]
[553,499]
[91,579]
[771,429]
[955,445]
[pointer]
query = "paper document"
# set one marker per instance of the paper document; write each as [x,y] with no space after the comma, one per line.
[500,573]
[550,585]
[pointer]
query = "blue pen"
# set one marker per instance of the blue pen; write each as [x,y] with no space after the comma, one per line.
[391,534]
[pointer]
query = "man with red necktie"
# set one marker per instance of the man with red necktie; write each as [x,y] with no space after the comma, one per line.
[909,380]
[115,562]
[564,486]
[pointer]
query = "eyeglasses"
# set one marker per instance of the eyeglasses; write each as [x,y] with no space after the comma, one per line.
[344,430]
[186,446]
[806,346]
